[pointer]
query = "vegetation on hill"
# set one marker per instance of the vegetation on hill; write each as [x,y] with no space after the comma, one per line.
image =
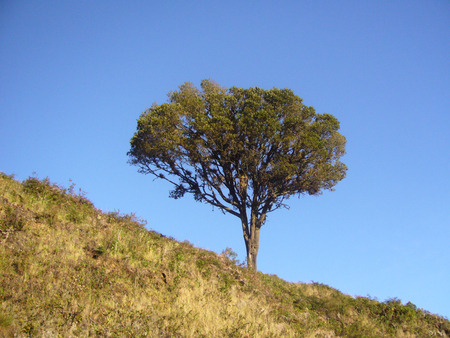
[69,270]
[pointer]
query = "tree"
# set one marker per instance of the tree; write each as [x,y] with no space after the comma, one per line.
[244,151]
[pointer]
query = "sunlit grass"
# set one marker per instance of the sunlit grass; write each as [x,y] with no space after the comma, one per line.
[69,270]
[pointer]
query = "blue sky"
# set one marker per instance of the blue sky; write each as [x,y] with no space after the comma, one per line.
[75,76]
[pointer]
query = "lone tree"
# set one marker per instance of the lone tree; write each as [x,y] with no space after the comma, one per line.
[244,151]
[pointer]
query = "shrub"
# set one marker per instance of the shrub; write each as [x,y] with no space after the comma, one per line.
[11,219]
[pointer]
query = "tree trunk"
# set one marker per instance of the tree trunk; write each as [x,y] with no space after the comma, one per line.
[252,254]
[252,244]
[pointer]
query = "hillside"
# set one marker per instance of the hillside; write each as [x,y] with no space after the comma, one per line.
[69,270]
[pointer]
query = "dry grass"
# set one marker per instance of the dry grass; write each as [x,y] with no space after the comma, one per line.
[70,270]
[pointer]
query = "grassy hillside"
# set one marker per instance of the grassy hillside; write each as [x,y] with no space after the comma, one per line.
[69,270]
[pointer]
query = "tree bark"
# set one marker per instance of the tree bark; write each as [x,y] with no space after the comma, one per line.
[251,238]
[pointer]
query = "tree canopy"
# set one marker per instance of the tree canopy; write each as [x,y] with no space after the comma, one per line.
[244,151]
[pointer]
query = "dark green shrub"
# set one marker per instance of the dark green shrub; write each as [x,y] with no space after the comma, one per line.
[130,220]
[41,188]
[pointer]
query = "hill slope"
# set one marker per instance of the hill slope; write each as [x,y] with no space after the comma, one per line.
[69,270]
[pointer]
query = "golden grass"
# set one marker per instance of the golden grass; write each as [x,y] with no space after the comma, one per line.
[70,270]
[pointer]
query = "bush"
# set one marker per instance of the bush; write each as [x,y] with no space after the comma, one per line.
[11,219]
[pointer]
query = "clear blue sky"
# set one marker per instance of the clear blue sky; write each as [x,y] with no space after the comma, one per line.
[75,76]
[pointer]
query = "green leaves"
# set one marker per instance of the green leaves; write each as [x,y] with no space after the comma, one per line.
[239,148]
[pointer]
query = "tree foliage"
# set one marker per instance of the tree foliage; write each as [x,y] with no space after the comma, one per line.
[244,151]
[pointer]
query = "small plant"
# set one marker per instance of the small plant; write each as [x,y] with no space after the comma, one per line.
[7,177]
[11,220]
[231,255]
[36,187]
[5,320]
[129,219]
